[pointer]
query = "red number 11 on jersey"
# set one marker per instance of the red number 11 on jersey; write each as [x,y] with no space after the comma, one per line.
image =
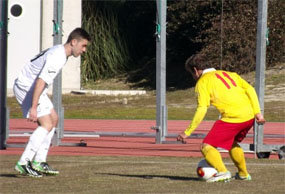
[224,81]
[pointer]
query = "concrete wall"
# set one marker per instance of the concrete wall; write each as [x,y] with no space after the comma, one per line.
[71,20]
[24,27]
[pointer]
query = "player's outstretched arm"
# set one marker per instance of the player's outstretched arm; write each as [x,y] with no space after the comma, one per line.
[259,119]
[182,137]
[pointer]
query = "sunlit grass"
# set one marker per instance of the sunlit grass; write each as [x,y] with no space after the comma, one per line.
[139,107]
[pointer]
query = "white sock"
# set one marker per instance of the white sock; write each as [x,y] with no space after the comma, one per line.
[33,145]
[41,155]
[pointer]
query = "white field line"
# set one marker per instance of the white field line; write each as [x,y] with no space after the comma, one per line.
[165,162]
[65,135]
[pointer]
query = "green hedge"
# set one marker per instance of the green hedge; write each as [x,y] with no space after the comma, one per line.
[124,41]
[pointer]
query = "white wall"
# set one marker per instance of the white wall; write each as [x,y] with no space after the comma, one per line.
[71,20]
[23,38]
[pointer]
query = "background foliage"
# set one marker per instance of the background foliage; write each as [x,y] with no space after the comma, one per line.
[124,41]
[108,54]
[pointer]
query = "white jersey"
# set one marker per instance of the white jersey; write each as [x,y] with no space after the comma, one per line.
[45,65]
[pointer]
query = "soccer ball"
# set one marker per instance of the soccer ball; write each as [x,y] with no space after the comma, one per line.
[205,171]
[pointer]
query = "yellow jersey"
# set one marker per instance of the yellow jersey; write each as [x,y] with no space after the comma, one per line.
[235,99]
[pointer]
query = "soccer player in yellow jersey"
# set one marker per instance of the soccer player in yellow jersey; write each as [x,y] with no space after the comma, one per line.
[237,102]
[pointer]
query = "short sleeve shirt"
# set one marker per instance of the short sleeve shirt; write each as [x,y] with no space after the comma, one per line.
[45,65]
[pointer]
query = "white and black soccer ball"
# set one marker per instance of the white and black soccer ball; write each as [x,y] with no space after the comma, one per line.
[205,171]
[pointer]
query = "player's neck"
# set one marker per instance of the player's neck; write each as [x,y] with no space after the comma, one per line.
[67,49]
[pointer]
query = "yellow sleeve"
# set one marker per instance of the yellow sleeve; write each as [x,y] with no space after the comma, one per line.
[250,92]
[203,98]
[198,117]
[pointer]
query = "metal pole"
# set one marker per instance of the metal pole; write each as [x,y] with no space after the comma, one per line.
[161,109]
[221,36]
[260,67]
[3,72]
[57,85]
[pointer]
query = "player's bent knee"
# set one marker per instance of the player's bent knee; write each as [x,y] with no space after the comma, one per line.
[54,117]
[47,126]
[203,146]
[55,122]
[46,122]
[235,144]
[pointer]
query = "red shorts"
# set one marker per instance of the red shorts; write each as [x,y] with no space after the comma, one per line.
[224,134]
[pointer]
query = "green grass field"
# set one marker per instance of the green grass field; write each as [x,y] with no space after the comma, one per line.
[181,106]
[139,175]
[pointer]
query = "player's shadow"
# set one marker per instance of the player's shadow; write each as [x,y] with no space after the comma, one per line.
[9,175]
[177,178]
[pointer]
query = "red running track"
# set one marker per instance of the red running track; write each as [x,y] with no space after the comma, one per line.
[131,146]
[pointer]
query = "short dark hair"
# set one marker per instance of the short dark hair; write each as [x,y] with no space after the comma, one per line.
[78,33]
[198,61]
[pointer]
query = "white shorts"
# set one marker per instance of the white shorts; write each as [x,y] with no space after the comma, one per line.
[24,98]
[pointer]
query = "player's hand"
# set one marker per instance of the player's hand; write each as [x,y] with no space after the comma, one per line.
[182,137]
[260,119]
[33,115]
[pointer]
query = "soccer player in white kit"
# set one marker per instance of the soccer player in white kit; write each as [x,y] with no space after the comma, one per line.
[30,89]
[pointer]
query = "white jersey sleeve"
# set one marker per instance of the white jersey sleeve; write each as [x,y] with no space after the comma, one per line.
[45,65]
